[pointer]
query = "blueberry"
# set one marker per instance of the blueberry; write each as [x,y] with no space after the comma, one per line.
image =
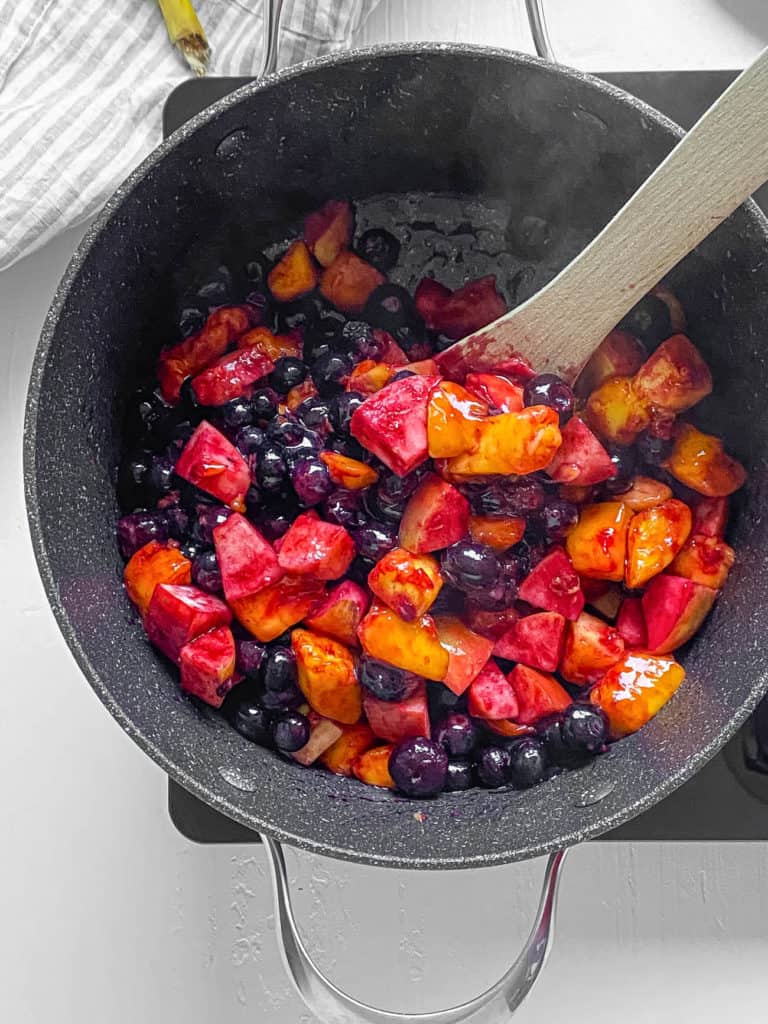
[290,731]
[380,248]
[493,766]
[528,763]
[374,540]
[237,413]
[285,430]
[585,728]
[448,602]
[522,497]
[264,404]
[470,566]
[345,445]
[280,672]
[145,412]
[413,341]
[459,776]
[216,293]
[191,549]
[653,450]
[648,320]
[623,460]
[250,655]
[341,407]
[249,439]
[208,518]
[206,573]
[456,734]
[385,681]
[177,519]
[314,413]
[329,371]
[160,475]
[551,390]
[443,701]
[343,508]
[299,315]
[307,447]
[139,528]
[557,517]
[396,488]
[274,524]
[359,339]
[282,700]
[382,509]
[418,767]
[391,307]
[359,569]
[287,374]
[271,469]
[251,719]
[132,480]
[311,482]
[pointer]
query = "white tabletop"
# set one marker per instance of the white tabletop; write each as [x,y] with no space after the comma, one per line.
[108,915]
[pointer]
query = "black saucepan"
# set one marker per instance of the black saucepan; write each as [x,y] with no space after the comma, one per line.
[445,132]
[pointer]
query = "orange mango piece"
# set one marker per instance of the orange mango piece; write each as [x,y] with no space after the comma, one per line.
[328,230]
[597,544]
[348,473]
[327,676]
[674,377]
[700,462]
[655,536]
[348,282]
[340,757]
[276,608]
[294,275]
[454,416]
[706,560]
[368,376]
[512,442]
[646,492]
[617,412]
[406,583]
[412,646]
[372,767]
[273,346]
[498,534]
[300,394]
[152,564]
[635,689]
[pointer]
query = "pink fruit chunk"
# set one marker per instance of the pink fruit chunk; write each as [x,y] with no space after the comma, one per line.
[538,694]
[200,349]
[247,561]
[396,721]
[392,423]
[312,547]
[208,666]
[341,613]
[491,695]
[630,622]
[581,459]
[214,465]
[710,517]
[436,516]
[496,391]
[459,313]
[591,648]
[674,607]
[468,652]
[554,586]
[231,376]
[178,614]
[323,735]
[391,352]
[535,640]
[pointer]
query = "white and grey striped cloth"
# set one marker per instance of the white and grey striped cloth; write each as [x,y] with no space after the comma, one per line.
[82,86]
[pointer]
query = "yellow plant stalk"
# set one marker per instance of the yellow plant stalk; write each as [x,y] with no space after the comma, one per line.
[186,33]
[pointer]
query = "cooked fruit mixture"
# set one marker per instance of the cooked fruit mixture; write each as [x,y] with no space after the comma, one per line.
[427,584]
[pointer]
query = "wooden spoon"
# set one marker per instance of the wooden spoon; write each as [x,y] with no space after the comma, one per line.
[719,163]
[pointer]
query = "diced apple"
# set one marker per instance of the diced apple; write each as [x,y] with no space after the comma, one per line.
[580,459]
[178,614]
[214,465]
[538,694]
[616,412]
[372,767]
[324,733]
[312,547]
[152,564]
[496,391]
[554,585]
[340,757]
[208,666]
[591,647]
[436,516]
[341,613]
[348,282]
[654,538]
[646,492]
[512,443]
[700,462]
[457,314]
[468,652]
[348,473]
[327,676]
[710,517]
[271,611]
[294,275]
[231,376]
[497,533]
[368,377]
[453,420]
[630,622]
[200,349]
[272,346]
[247,560]
[491,696]
[406,583]
[535,640]
[391,352]
[636,689]
[430,297]
[674,377]
[674,608]
[706,560]
[393,423]
[424,368]
[490,624]
[412,646]
[328,231]
[396,721]
[619,354]
[597,544]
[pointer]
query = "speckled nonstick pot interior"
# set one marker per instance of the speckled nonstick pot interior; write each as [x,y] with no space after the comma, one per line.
[500,129]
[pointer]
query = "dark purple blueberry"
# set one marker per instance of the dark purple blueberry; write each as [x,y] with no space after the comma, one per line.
[418,767]
[343,508]
[274,524]
[402,374]
[329,372]
[380,248]
[469,566]
[359,569]
[456,734]
[178,522]
[358,338]
[551,390]
[285,430]
[208,518]
[513,566]
[413,340]
[191,320]
[313,413]
[557,517]
[311,482]
[299,315]
[585,728]
[253,502]
[282,700]
[250,656]
[397,488]
[188,396]
[290,731]
[443,701]
[139,528]
[206,573]
[236,414]
[264,404]
[385,681]
[191,549]
[346,445]
[160,475]
[493,766]
[624,461]
[271,469]
[550,732]
[522,497]
[181,434]
[384,511]
[460,775]
[249,439]
[146,410]
[251,719]
[448,602]
[280,672]
[322,338]
[307,447]
[528,763]
[391,307]
[648,320]
[132,479]
[288,373]
[653,450]
[374,540]
[341,407]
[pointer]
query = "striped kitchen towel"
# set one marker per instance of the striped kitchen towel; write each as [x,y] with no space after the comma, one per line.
[82,87]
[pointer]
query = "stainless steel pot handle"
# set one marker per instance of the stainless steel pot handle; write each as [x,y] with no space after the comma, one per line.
[332,1006]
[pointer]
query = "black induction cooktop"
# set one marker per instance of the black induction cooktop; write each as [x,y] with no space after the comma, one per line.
[728,798]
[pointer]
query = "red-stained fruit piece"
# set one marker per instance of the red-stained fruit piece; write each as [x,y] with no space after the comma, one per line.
[700,462]
[706,560]
[411,646]
[231,376]
[490,623]
[328,231]
[581,459]
[152,564]
[178,614]
[212,463]
[591,647]
[247,560]
[710,517]
[456,314]
[348,473]
[396,721]
[312,547]
[498,533]
[538,694]
[468,652]
[654,538]
[393,423]
[630,622]
[619,354]
[436,516]
[491,696]
[554,585]
[271,611]
[496,391]
[597,544]
[208,666]
[535,640]
[340,757]
[348,282]
[406,583]
[674,608]
[327,676]
[200,349]
[294,275]
[674,377]
[341,613]
[636,689]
